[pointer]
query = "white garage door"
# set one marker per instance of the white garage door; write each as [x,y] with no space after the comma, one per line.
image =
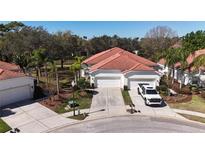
[108,82]
[133,83]
[15,95]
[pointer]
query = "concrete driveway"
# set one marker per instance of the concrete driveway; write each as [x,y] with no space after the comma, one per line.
[32,117]
[107,102]
[160,111]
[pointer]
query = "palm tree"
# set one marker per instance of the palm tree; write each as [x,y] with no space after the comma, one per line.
[38,59]
[171,57]
[54,70]
[76,66]
[183,54]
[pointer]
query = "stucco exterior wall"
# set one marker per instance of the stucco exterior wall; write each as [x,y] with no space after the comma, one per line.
[16,82]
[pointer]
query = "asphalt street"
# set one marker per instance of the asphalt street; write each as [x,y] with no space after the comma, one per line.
[133,124]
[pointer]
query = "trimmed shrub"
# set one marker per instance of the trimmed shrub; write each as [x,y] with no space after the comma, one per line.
[82,83]
[163,89]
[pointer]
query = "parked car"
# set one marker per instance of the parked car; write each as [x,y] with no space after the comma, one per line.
[149,94]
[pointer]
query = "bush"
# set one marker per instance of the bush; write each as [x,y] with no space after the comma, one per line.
[163,81]
[82,83]
[126,88]
[163,89]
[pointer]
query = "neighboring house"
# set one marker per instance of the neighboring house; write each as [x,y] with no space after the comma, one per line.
[190,76]
[163,68]
[118,68]
[15,86]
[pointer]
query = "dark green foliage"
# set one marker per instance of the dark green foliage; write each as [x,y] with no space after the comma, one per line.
[194,41]
[82,83]
[126,88]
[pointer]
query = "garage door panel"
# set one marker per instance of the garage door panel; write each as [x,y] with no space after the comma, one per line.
[108,82]
[13,95]
[133,83]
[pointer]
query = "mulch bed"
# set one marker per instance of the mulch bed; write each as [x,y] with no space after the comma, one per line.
[54,101]
[178,98]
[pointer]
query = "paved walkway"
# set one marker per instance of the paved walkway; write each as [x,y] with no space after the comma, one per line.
[33,118]
[160,111]
[190,113]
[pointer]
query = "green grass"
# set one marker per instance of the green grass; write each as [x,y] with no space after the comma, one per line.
[61,108]
[84,102]
[126,97]
[4,127]
[78,117]
[196,104]
[194,118]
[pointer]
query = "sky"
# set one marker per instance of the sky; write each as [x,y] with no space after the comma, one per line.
[121,28]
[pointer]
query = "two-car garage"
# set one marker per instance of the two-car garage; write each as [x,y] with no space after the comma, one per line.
[119,80]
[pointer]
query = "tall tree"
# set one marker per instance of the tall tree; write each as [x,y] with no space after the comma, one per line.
[193,41]
[65,45]
[38,60]
[156,41]
[76,66]
[172,57]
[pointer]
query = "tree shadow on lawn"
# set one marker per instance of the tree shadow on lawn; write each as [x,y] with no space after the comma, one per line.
[92,91]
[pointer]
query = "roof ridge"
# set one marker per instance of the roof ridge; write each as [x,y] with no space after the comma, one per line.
[98,54]
[105,61]
[139,57]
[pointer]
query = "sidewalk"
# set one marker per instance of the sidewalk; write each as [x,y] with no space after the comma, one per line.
[68,114]
[190,113]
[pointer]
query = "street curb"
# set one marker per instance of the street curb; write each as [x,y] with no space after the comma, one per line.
[123,115]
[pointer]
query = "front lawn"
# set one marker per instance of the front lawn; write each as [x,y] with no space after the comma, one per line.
[196,104]
[4,127]
[126,97]
[194,118]
[84,99]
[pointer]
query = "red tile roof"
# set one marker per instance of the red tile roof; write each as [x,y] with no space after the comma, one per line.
[8,71]
[9,66]
[191,58]
[111,52]
[121,61]
[6,74]
[197,53]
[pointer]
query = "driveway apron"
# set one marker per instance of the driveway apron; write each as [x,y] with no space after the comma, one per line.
[107,102]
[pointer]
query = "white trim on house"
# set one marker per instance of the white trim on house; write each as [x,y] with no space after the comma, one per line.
[123,79]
